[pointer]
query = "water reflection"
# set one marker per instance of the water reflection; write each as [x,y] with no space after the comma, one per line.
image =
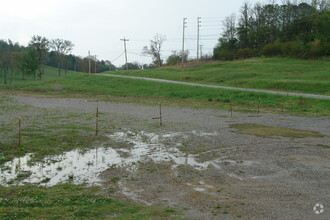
[84,167]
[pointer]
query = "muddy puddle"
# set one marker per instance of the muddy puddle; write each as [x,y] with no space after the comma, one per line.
[80,167]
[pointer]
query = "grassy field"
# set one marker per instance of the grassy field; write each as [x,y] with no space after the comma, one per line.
[281,74]
[141,91]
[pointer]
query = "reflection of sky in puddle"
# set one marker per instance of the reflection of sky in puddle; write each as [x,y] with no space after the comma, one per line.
[84,167]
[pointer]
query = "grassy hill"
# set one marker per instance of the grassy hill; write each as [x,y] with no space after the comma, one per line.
[281,74]
[313,79]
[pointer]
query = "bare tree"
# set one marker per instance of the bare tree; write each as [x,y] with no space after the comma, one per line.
[230,27]
[155,49]
[61,48]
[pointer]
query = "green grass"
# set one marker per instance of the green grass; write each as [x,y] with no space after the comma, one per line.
[50,73]
[171,94]
[282,74]
[71,202]
[269,131]
[45,132]
[289,74]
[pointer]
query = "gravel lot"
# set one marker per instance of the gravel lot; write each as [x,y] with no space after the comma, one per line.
[253,177]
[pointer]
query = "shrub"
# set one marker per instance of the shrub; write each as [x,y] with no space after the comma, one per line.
[245,53]
[273,49]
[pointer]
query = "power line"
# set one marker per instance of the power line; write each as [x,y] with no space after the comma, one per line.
[117,57]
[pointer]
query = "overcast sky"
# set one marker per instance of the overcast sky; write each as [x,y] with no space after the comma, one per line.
[98,25]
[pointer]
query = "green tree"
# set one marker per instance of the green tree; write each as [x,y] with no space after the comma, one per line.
[173,59]
[61,48]
[41,46]
[30,63]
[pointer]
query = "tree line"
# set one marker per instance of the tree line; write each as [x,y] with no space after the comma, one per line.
[294,29]
[29,61]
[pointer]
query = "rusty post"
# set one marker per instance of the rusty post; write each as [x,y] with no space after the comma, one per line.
[160,115]
[97,121]
[19,131]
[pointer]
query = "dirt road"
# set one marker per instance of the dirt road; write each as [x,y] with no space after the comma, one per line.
[210,165]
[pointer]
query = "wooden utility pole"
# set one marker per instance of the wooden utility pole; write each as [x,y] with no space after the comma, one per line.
[198,26]
[184,27]
[95,64]
[89,61]
[125,51]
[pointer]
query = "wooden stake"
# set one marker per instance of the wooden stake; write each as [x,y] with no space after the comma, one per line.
[258,105]
[160,115]
[231,109]
[97,121]
[19,132]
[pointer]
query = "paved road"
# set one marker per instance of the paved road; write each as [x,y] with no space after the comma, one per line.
[224,87]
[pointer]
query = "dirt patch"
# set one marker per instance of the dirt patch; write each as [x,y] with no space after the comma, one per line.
[199,163]
[269,131]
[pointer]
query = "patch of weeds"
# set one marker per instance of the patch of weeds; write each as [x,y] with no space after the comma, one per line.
[323,146]
[2,159]
[218,206]
[23,175]
[151,169]
[170,210]
[115,179]
[111,190]
[269,131]
[46,180]
[238,215]
[225,212]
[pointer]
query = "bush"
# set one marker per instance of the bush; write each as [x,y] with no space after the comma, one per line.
[293,49]
[246,53]
[273,49]
[224,55]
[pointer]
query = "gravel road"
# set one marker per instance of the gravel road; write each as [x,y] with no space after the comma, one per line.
[248,176]
[224,87]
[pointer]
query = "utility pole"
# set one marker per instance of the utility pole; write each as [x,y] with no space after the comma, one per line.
[198,26]
[89,61]
[95,64]
[184,26]
[125,50]
[201,47]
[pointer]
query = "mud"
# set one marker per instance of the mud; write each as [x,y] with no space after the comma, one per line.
[199,164]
